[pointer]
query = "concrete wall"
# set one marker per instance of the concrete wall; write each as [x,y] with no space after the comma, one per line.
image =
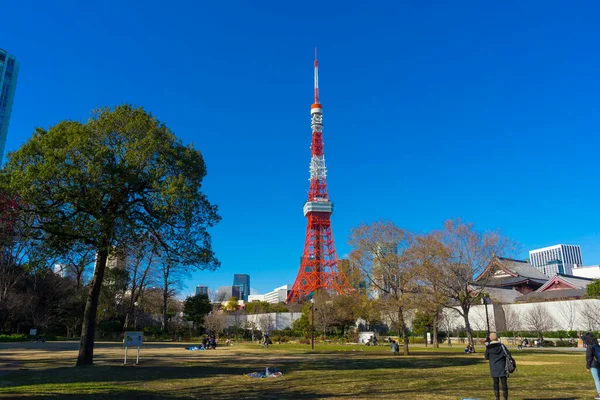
[265,322]
[579,315]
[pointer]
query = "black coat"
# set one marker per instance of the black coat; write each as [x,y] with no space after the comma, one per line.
[495,354]
[590,357]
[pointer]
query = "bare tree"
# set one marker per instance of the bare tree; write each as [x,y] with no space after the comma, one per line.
[539,319]
[512,319]
[568,313]
[325,312]
[78,261]
[468,252]
[590,316]
[214,323]
[447,321]
[428,254]
[379,250]
[140,260]
[264,323]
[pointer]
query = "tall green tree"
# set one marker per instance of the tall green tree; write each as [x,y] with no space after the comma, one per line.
[107,182]
[593,289]
[195,308]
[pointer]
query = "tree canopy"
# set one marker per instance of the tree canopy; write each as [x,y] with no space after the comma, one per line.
[112,180]
[195,308]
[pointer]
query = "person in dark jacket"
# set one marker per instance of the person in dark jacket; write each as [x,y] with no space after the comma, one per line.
[494,352]
[591,358]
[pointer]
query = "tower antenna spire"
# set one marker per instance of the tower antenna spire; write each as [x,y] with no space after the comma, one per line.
[319,264]
[316,78]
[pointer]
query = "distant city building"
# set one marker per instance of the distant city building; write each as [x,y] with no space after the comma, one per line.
[256,297]
[278,295]
[242,281]
[557,259]
[9,69]
[224,293]
[201,289]
[592,272]
[116,261]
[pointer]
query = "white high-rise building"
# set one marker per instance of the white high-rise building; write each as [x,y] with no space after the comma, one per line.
[557,259]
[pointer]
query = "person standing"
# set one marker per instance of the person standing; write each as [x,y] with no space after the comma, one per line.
[592,361]
[395,347]
[496,353]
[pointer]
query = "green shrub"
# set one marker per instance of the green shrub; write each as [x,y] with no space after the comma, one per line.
[15,337]
[565,343]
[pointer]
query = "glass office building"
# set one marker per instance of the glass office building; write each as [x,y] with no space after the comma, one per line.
[557,259]
[9,69]
[242,281]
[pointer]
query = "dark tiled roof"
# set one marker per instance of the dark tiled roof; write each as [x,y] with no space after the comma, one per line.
[576,281]
[522,268]
[552,295]
[511,280]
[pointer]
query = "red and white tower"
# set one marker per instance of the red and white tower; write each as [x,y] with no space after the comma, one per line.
[318,268]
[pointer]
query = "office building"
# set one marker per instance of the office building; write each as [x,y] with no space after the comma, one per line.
[557,259]
[278,295]
[201,289]
[256,297]
[242,282]
[9,69]
[224,293]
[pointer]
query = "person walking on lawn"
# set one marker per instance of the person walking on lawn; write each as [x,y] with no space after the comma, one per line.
[495,353]
[591,359]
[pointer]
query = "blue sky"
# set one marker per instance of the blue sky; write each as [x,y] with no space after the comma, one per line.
[488,112]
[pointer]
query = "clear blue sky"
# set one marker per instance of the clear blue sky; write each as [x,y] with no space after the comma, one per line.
[490,112]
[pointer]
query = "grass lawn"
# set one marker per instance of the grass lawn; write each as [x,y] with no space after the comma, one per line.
[168,371]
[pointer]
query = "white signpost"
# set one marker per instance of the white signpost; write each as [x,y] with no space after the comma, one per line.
[133,339]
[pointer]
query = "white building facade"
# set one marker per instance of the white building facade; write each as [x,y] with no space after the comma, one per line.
[592,272]
[278,295]
[557,259]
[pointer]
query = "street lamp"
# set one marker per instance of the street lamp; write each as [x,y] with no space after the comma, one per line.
[312,324]
[135,305]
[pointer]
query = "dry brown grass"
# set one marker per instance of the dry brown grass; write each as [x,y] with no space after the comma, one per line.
[45,370]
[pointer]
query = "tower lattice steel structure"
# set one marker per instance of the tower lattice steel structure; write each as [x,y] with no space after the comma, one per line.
[318,268]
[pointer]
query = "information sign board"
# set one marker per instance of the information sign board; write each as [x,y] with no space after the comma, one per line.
[133,339]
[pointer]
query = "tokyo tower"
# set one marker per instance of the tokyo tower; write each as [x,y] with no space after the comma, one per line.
[318,268]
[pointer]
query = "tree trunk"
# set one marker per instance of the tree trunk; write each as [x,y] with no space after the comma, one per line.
[436,323]
[165,299]
[88,327]
[402,327]
[468,328]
